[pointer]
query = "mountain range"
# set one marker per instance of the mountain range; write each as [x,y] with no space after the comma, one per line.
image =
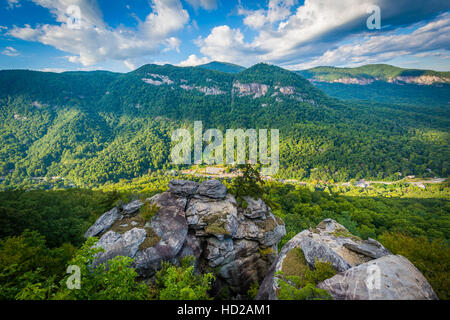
[92,128]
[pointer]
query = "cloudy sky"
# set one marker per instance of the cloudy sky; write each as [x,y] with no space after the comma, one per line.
[121,35]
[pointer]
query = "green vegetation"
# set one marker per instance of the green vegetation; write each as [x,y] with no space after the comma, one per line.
[249,183]
[31,272]
[298,281]
[62,217]
[222,67]
[253,290]
[26,263]
[111,133]
[86,129]
[404,96]
[383,72]
[182,283]
[148,211]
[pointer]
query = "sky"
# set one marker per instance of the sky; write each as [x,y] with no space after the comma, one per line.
[122,35]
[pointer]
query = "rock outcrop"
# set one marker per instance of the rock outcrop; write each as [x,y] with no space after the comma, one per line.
[388,278]
[246,89]
[201,220]
[354,259]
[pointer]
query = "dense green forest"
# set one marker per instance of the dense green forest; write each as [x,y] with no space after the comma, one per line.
[41,233]
[89,128]
[385,84]
[383,72]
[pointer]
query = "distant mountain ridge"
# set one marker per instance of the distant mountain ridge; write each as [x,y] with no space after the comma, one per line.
[368,74]
[222,67]
[383,83]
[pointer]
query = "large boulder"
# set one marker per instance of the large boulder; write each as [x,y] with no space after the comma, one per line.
[354,260]
[212,189]
[201,220]
[103,223]
[166,234]
[387,278]
[183,188]
[115,244]
[213,217]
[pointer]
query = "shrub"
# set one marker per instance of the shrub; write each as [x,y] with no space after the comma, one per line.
[298,282]
[148,211]
[182,283]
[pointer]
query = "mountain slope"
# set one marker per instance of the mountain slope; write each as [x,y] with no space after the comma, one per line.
[95,127]
[222,67]
[383,83]
[376,72]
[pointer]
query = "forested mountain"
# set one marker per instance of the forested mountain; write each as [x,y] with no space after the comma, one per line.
[383,83]
[222,67]
[95,127]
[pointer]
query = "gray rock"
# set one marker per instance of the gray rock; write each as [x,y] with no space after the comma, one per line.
[132,207]
[327,243]
[191,247]
[203,221]
[256,208]
[313,250]
[267,231]
[103,223]
[115,244]
[370,248]
[245,265]
[268,288]
[388,278]
[183,188]
[217,218]
[212,189]
[219,251]
[171,227]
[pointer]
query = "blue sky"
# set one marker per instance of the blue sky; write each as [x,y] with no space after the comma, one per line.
[121,35]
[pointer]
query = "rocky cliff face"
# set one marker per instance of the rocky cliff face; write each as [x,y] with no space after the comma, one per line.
[367,270]
[201,220]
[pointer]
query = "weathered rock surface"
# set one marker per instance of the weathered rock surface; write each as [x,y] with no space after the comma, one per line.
[200,220]
[183,188]
[388,278]
[132,207]
[212,189]
[103,223]
[116,244]
[354,259]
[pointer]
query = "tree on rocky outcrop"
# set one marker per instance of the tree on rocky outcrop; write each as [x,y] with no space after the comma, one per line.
[249,183]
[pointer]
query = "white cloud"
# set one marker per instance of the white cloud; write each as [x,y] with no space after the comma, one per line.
[193,60]
[130,64]
[430,37]
[324,32]
[10,51]
[278,10]
[55,70]
[226,44]
[93,41]
[205,4]
[13,4]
